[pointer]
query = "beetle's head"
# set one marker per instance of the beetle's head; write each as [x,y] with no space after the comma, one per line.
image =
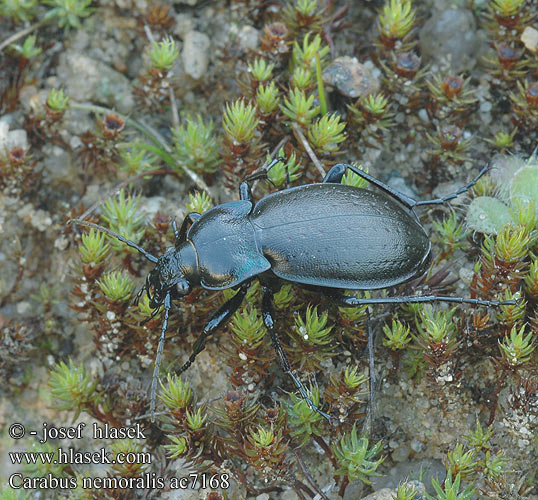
[175,273]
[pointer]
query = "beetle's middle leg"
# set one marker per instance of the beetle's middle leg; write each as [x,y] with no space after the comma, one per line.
[218,319]
[341,298]
[267,313]
[244,188]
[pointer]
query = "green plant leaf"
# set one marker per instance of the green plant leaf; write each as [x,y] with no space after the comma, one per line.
[524,185]
[487,215]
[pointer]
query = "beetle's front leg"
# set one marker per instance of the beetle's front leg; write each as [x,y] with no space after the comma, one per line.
[222,315]
[267,313]
[155,377]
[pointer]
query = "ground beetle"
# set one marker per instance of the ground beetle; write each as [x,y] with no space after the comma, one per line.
[327,235]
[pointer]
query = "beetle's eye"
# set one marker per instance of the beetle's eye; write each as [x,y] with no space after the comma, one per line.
[183,288]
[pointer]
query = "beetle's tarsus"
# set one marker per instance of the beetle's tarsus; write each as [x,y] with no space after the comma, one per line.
[311,404]
[371,409]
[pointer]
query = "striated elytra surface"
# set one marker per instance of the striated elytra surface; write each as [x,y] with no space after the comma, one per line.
[340,236]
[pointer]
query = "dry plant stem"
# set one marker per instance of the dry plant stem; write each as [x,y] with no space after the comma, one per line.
[173,107]
[326,448]
[345,482]
[149,34]
[156,136]
[21,34]
[16,283]
[281,144]
[149,132]
[308,149]
[308,476]
[242,478]
[298,486]
[495,396]
[327,27]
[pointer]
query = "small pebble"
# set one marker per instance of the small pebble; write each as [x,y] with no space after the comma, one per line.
[529,37]
[87,79]
[248,38]
[350,77]
[416,445]
[485,107]
[383,494]
[450,36]
[423,115]
[23,307]
[195,54]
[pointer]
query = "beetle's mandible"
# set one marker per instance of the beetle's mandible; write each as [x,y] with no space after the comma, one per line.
[327,235]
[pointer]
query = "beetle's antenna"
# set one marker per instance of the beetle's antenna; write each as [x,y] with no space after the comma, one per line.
[158,358]
[132,244]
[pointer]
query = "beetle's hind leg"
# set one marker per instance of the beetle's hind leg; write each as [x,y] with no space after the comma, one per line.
[461,190]
[336,295]
[337,172]
[244,188]
[334,176]
[267,313]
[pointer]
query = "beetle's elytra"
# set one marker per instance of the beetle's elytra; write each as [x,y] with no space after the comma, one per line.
[327,235]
